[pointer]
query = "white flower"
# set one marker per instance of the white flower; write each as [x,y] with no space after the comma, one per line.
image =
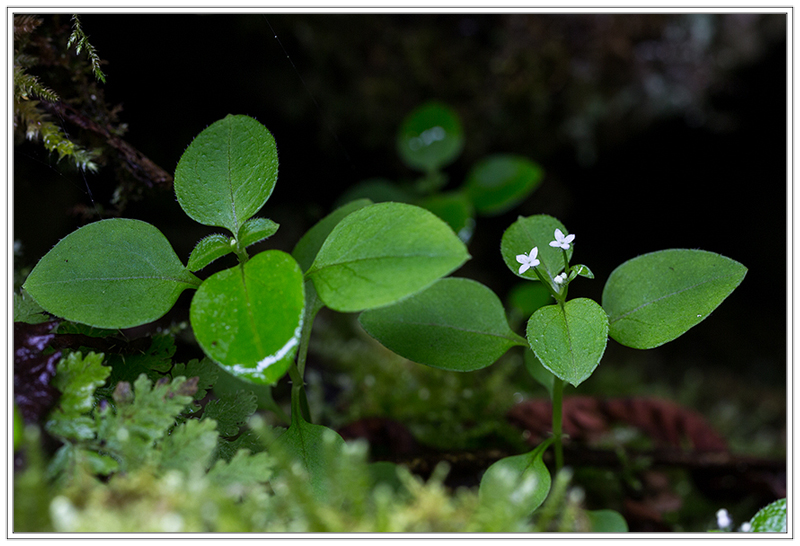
[562,241]
[528,261]
[724,520]
[745,527]
[561,278]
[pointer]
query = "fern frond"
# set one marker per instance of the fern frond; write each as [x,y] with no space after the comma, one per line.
[27,85]
[81,41]
[25,24]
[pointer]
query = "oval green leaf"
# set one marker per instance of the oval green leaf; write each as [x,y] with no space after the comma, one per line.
[227,173]
[114,273]
[315,447]
[527,233]
[430,137]
[519,483]
[455,209]
[309,244]
[455,324]
[256,230]
[383,253]
[657,297]
[207,250]
[570,340]
[500,182]
[770,519]
[248,318]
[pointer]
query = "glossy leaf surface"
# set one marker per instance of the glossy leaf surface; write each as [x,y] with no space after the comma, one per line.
[248,318]
[114,273]
[382,253]
[455,324]
[430,137]
[207,250]
[500,182]
[309,244]
[519,483]
[569,341]
[527,233]
[227,173]
[656,297]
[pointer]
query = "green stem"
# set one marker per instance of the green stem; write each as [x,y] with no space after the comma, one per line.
[299,400]
[297,370]
[558,391]
[241,253]
[566,261]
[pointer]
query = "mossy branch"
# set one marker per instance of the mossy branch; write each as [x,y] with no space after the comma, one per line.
[81,41]
[27,86]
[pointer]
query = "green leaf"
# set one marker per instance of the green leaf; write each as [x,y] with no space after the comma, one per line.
[28,311]
[529,296]
[527,233]
[71,427]
[77,377]
[243,468]
[231,411]
[430,137]
[248,318]
[114,273]
[455,324]
[227,173]
[209,249]
[581,270]
[542,376]
[311,445]
[382,253]
[256,230]
[655,298]
[516,484]
[204,369]
[606,521]
[500,182]
[189,447]
[570,340]
[309,244]
[143,415]
[455,209]
[770,519]
[154,363]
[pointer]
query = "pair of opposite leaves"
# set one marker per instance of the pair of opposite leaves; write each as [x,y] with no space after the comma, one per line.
[119,273]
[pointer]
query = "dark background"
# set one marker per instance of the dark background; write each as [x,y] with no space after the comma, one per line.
[655,131]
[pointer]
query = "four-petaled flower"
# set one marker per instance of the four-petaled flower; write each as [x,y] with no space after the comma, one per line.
[528,261]
[562,241]
[561,278]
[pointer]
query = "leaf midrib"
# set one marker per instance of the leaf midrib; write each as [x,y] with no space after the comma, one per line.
[675,293]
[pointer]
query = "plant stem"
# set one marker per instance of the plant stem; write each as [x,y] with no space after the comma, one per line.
[558,391]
